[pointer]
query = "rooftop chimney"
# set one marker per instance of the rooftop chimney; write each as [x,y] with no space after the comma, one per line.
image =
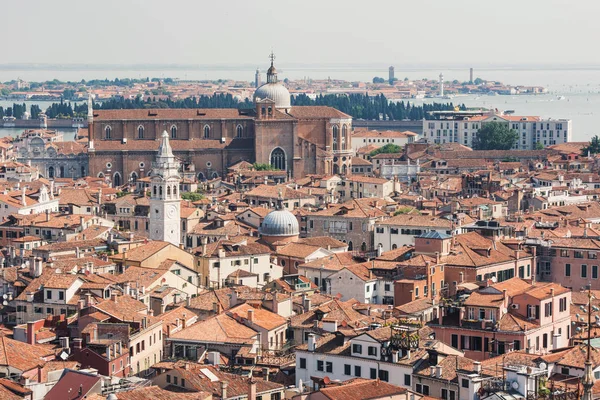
[312,344]
[224,390]
[251,316]
[477,366]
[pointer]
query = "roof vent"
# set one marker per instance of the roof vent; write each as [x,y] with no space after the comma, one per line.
[152,113]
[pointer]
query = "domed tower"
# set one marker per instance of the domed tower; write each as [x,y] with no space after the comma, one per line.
[273,90]
[279,225]
[165,204]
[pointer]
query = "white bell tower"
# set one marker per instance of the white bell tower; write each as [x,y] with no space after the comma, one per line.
[165,220]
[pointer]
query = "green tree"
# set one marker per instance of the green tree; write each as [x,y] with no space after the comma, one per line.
[191,196]
[538,146]
[69,94]
[478,81]
[405,210]
[263,167]
[378,79]
[495,136]
[387,149]
[593,147]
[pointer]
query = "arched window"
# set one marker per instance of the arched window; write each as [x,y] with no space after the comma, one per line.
[278,159]
[335,137]
[107,132]
[160,191]
[51,172]
[363,246]
[201,177]
[344,134]
[175,190]
[82,171]
[344,169]
[350,248]
[173,132]
[62,172]
[394,246]
[140,132]
[154,190]
[134,177]
[117,181]
[239,131]
[100,175]
[168,190]
[206,131]
[336,169]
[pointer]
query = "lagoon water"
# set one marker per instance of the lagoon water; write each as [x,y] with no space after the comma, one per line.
[580,87]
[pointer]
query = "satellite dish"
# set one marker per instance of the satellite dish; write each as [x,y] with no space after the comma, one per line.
[515,385]
[57,271]
[27,263]
[504,310]
[23,265]
[494,279]
[64,355]
[5,296]
[5,303]
[543,365]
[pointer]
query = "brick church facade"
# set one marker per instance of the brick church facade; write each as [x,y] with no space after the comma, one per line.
[300,139]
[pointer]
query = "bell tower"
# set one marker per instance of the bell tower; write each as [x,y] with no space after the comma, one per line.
[165,204]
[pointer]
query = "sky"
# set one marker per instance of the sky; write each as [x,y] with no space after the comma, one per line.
[306,32]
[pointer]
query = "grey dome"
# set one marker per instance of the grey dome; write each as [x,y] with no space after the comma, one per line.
[276,92]
[279,223]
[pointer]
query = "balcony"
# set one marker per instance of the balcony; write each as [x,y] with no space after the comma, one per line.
[484,324]
[338,230]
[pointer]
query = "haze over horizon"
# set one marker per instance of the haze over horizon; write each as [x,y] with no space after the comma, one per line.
[235,32]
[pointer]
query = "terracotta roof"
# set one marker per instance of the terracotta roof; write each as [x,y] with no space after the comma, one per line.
[359,389]
[418,220]
[144,251]
[218,329]
[168,113]
[22,356]
[71,383]
[314,112]
[261,317]
[155,393]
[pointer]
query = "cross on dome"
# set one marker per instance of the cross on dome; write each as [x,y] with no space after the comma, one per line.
[272,57]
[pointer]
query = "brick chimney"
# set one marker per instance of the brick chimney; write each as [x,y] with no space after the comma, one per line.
[31,332]
[251,389]
[251,316]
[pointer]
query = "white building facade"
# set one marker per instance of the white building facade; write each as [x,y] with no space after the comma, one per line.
[462,127]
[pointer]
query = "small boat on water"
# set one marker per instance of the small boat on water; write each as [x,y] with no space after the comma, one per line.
[560,97]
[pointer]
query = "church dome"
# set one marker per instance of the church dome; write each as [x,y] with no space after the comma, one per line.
[274,91]
[279,223]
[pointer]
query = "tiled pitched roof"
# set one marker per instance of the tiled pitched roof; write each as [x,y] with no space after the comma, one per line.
[145,251]
[263,318]
[169,113]
[22,356]
[218,329]
[359,389]
[418,220]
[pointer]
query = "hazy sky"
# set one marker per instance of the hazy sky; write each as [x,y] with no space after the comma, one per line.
[400,32]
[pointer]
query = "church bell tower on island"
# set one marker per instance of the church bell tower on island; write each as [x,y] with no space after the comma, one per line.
[165,204]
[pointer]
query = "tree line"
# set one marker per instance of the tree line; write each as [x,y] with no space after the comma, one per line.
[359,106]
[363,106]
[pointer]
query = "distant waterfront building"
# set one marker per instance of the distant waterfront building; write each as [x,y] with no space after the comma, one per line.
[257,79]
[441,84]
[471,75]
[391,76]
[462,126]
